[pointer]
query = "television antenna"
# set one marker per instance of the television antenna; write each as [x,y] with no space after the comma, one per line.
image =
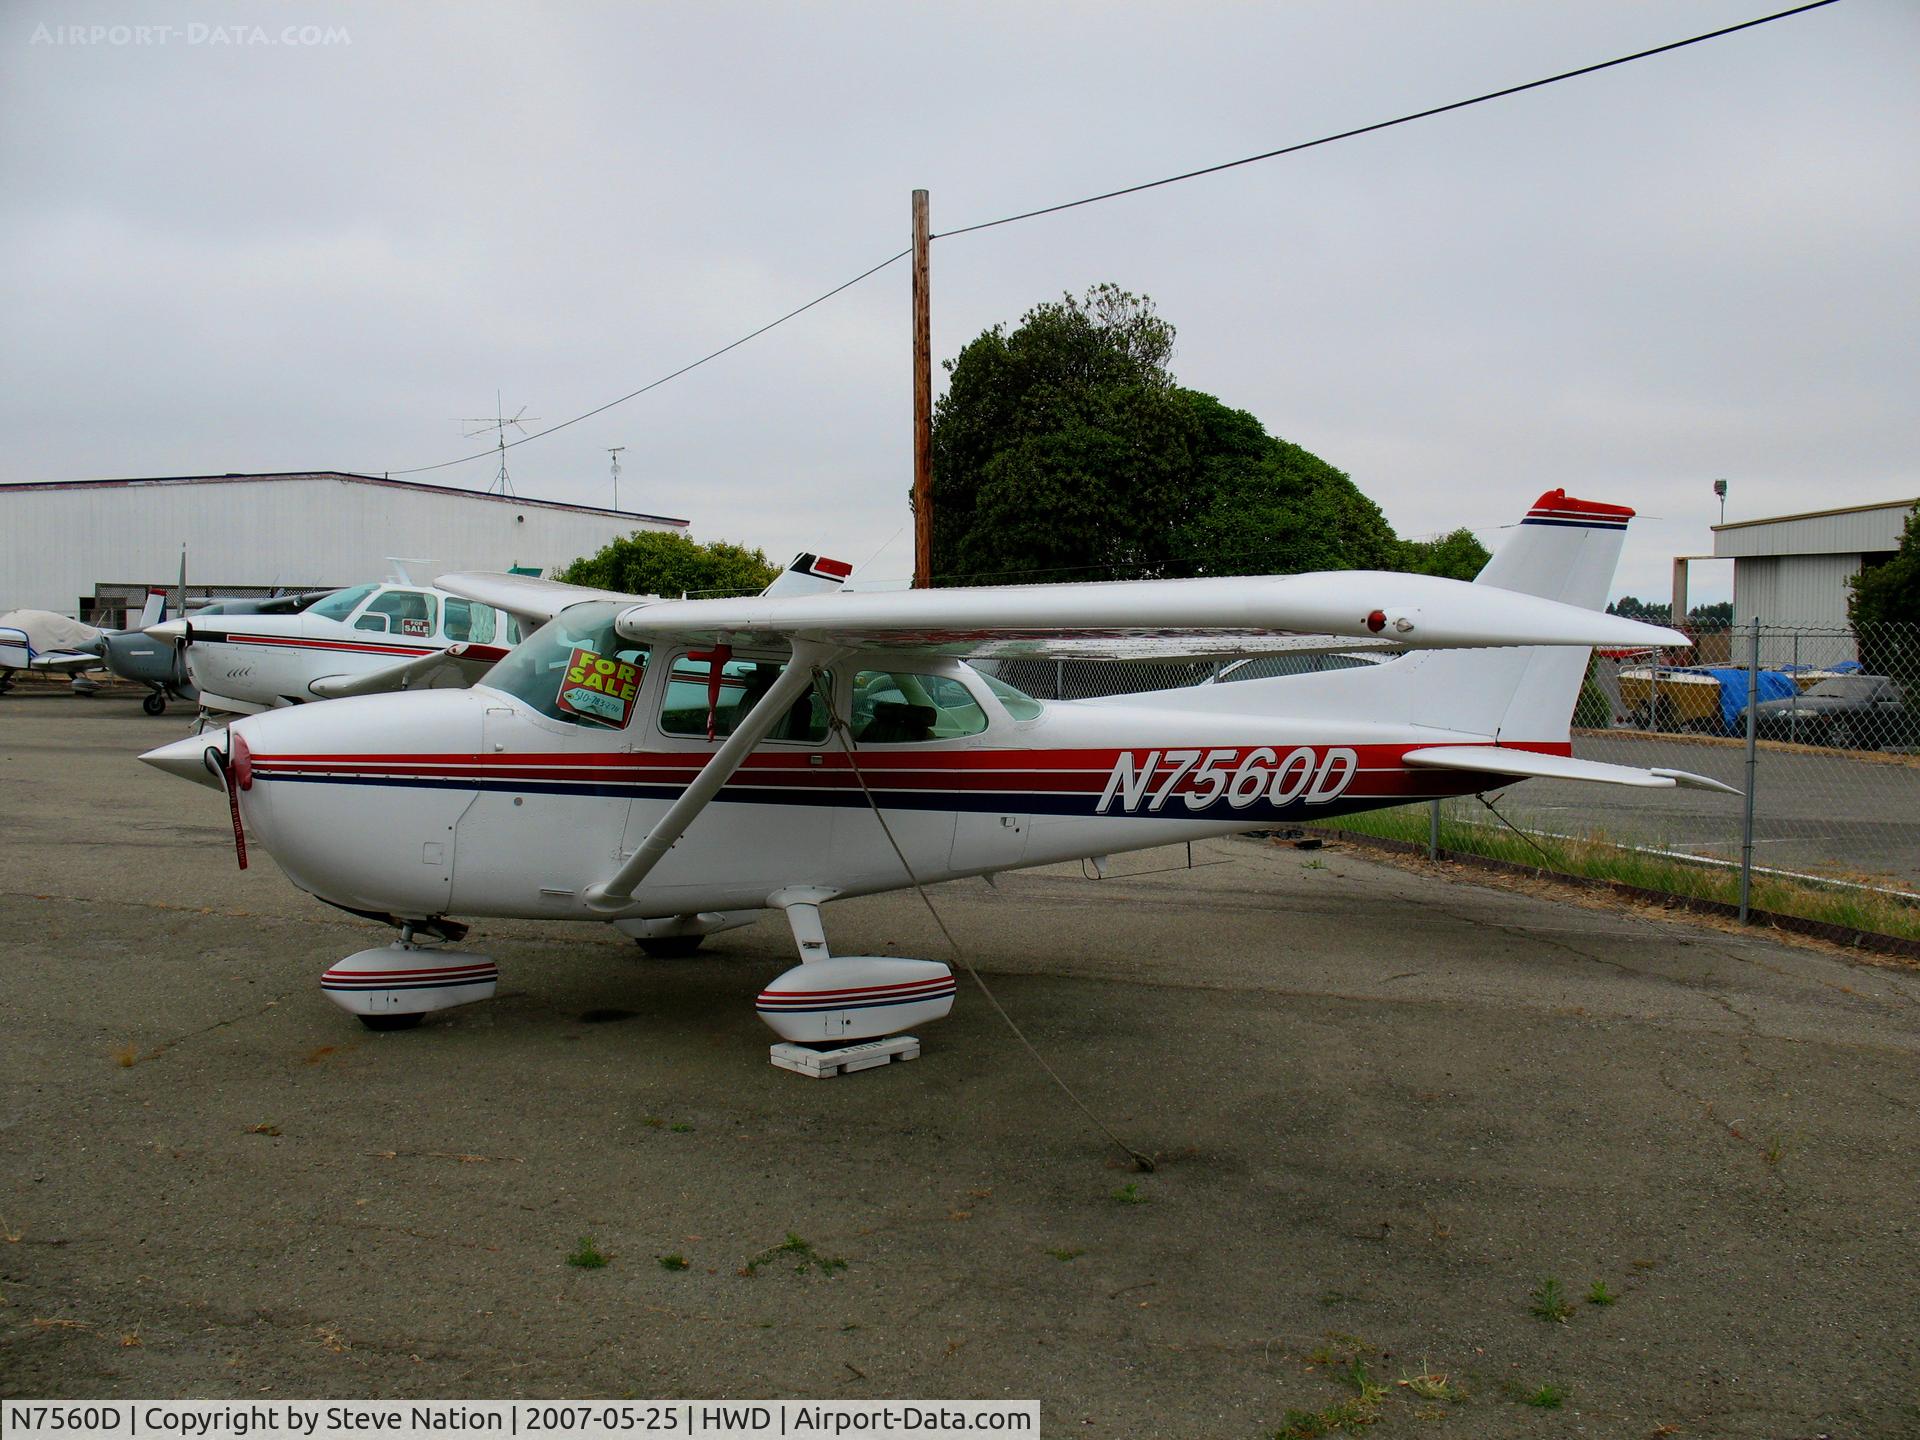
[613,454]
[498,425]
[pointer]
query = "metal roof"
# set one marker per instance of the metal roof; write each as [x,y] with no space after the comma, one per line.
[1806,514]
[345,477]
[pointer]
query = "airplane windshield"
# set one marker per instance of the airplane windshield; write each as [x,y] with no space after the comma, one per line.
[576,668]
[339,605]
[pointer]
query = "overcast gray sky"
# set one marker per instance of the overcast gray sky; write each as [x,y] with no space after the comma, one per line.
[225,248]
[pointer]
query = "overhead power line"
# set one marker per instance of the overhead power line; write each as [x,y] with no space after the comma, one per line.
[673,375]
[1380,124]
[1114,195]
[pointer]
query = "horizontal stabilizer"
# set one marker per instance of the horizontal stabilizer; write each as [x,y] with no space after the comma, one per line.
[1529,764]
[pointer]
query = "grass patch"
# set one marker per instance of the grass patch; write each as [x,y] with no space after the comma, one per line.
[1599,1294]
[1550,1303]
[1348,1417]
[1129,1194]
[681,1128]
[1595,857]
[1547,1397]
[1367,1390]
[1065,1255]
[1433,1385]
[672,1262]
[586,1255]
[799,1253]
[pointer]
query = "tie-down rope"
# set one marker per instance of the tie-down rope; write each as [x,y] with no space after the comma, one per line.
[840,728]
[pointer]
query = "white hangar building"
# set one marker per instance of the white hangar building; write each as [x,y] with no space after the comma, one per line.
[85,545]
[1793,569]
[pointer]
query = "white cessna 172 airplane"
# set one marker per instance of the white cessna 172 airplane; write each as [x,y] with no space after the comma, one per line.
[370,638]
[676,767]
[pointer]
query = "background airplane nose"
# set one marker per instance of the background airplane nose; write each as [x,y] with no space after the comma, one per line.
[188,758]
[168,630]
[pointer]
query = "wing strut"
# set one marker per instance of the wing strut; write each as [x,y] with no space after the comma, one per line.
[616,892]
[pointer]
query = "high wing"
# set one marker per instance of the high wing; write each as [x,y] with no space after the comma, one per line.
[1524,764]
[453,668]
[529,600]
[1415,612]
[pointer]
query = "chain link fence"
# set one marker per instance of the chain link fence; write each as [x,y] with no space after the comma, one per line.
[1833,768]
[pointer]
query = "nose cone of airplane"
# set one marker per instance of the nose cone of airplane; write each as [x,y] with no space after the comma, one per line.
[168,630]
[188,758]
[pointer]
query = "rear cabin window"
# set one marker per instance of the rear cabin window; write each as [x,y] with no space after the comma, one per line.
[742,683]
[892,707]
[577,668]
[468,621]
[411,613]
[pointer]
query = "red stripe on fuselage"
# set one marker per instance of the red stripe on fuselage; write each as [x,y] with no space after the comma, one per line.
[302,642]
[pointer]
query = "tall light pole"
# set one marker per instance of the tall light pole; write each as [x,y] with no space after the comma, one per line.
[1720,489]
[613,455]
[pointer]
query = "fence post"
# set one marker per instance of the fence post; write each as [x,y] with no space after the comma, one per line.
[1753,762]
[1793,715]
[1433,832]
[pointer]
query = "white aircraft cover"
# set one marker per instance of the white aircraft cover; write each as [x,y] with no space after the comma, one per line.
[46,630]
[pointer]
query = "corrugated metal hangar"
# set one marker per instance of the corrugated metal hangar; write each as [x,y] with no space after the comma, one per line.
[1793,569]
[81,547]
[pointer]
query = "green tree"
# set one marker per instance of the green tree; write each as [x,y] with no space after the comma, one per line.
[1654,612]
[658,562]
[1717,616]
[1459,555]
[1884,609]
[1064,450]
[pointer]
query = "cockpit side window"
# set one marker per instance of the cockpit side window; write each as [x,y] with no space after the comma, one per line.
[577,668]
[401,612]
[893,707]
[683,710]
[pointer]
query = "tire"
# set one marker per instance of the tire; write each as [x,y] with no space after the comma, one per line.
[1840,735]
[391,1021]
[673,947]
[155,703]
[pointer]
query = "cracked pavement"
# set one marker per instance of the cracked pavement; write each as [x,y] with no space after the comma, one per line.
[1387,1105]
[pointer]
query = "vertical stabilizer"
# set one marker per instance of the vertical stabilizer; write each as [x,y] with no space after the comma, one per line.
[810,575]
[1565,550]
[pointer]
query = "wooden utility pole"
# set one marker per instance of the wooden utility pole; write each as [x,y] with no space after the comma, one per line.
[922,404]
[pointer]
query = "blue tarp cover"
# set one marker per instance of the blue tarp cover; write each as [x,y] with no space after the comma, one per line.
[1773,685]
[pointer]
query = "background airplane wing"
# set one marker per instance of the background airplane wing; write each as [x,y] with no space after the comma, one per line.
[1413,612]
[453,668]
[529,600]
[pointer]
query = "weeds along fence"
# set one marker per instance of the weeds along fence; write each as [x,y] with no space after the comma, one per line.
[1832,832]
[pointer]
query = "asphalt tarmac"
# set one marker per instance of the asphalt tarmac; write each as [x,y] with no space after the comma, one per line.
[1388,1108]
